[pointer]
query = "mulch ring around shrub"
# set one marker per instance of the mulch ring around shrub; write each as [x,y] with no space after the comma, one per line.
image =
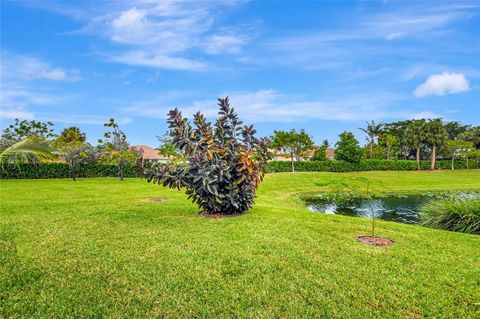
[154,200]
[375,241]
[207,215]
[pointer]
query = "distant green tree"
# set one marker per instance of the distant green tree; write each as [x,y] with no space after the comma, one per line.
[472,134]
[378,151]
[373,131]
[390,144]
[166,146]
[455,129]
[398,129]
[24,129]
[320,154]
[293,142]
[456,148]
[71,146]
[116,149]
[435,136]
[476,154]
[347,148]
[415,134]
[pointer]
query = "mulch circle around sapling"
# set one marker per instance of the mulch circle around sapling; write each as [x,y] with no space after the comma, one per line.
[207,215]
[375,241]
[154,200]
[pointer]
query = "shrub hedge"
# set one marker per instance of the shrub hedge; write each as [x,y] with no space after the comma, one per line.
[460,214]
[61,170]
[364,165]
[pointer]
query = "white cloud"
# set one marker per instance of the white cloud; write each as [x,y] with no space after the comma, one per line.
[217,44]
[130,19]
[411,72]
[164,34]
[272,106]
[144,28]
[426,115]
[413,21]
[15,102]
[26,67]
[76,119]
[393,36]
[17,97]
[443,83]
[158,61]
[25,103]
[371,37]
[9,114]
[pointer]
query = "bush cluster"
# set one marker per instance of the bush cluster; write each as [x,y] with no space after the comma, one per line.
[224,165]
[61,170]
[460,214]
[364,165]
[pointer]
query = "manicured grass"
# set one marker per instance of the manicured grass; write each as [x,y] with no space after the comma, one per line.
[91,249]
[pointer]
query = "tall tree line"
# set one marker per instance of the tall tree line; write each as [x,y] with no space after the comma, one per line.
[421,139]
[33,141]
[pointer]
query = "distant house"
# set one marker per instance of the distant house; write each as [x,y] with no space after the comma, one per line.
[330,153]
[280,155]
[151,154]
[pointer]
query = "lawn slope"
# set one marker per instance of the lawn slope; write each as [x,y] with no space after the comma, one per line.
[91,248]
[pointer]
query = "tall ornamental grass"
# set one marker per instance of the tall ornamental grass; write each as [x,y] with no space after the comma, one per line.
[461,214]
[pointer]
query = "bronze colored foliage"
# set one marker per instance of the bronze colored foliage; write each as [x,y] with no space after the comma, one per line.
[224,162]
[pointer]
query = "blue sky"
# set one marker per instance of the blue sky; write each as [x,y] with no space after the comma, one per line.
[324,66]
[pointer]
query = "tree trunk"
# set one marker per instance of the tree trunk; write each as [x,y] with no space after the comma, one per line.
[373,227]
[371,149]
[466,159]
[293,164]
[418,157]
[432,166]
[453,158]
[120,167]
[72,171]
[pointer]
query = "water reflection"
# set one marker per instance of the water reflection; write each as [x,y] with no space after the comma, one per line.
[402,209]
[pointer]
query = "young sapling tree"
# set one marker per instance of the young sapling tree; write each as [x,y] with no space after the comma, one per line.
[293,142]
[116,149]
[71,146]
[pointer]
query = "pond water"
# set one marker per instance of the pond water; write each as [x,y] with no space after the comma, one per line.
[403,208]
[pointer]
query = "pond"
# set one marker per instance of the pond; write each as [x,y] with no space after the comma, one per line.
[398,208]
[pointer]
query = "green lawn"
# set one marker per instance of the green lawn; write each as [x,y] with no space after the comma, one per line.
[91,249]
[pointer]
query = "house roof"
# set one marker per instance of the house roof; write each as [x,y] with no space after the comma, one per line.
[330,152]
[148,152]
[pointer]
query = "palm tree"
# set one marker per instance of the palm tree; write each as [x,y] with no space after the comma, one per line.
[435,135]
[373,130]
[29,150]
[415,135]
